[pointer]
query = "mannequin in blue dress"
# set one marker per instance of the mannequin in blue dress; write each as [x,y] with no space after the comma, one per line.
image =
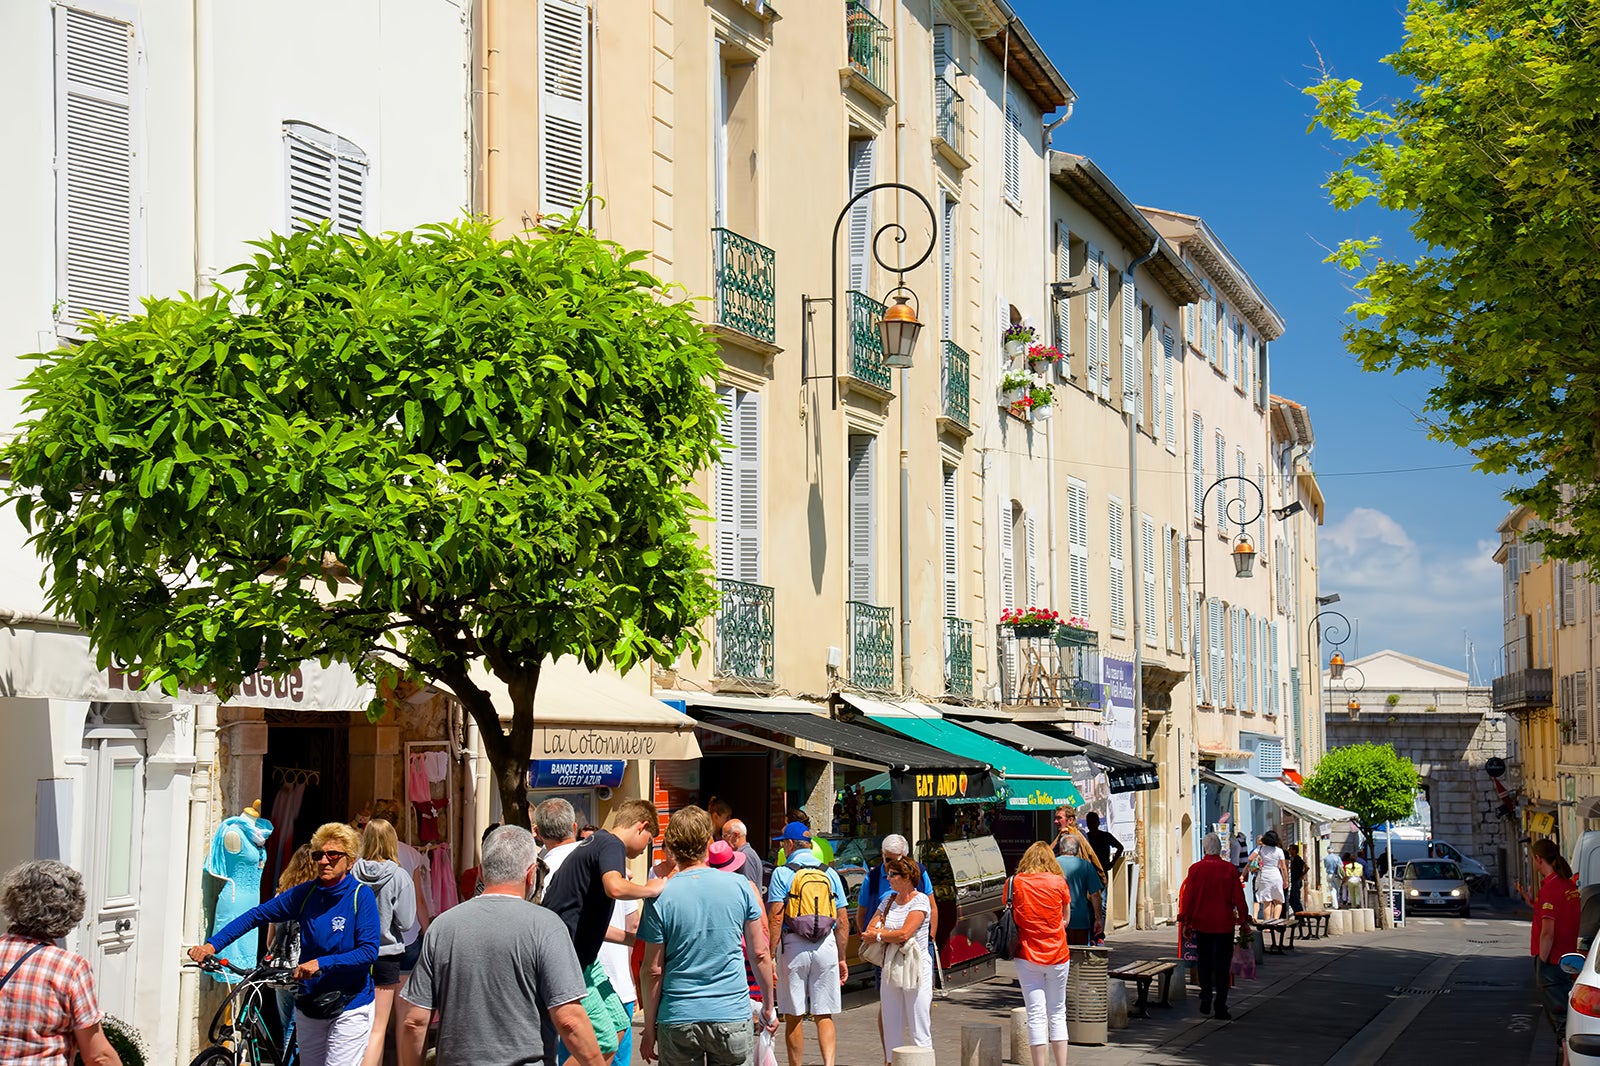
[238,856]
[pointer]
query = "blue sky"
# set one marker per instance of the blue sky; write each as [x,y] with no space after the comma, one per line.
[1200,109]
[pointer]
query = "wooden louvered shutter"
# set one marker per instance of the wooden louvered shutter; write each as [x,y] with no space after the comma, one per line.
[1181,546]
[1078,546]
[1013,150]
[1139,370]
[747,459]
[1168,604]
[1580,706]
[859,228]
[564,121]
[1147,565]
[1272,636]
[1197,461]
[1569,603]
[1063,338]
[1216,672]
[1008,559]
[1091,304]
[1119,591]
[1130,342]
[1208,324]
[863,579]
[1222,490]
[97,175]
[1030,536]
[726,478]
[947,267]
[1241,508]
[1261,519]
[1169,389]
[951,555]
[1103,272]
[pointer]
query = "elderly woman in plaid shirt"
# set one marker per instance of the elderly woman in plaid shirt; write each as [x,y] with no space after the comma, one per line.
[47,1003]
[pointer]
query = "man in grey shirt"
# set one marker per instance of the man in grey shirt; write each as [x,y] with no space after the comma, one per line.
[735,836]
[489,965]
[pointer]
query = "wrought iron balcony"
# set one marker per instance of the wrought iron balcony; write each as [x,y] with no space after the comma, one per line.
[866,343]
[1522,691]
[957,383]
[871,646]
[950,121]
[746,283]
[958,657]
[868,43]
[744,645]
[1050,668]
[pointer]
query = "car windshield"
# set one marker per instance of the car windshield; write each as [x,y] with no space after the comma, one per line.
[1433,871]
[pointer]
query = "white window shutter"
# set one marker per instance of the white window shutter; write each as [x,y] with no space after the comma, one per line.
[1008,559]
[1168,604]
[1169,391]
[1580,706]
[859,229]
[1119,592]
[1064,273]
[1251,673]
[1182,548]
[564,121]
[1078,546]
[1261,519]
[719,143]
[1013,150]
[1568,602]
[1091,303]
[1031,536]
[1197,461]
[326,179]
[1222,490]
[1103,293]
[1272,635]
[1240,490]
[748,460]
[727,486]
[947,265]
[1130,342]
[1139,367]
[1214,622]
[1147,564]
[863,579]
[98,189]
[1263,667]
[951,557]
[999,342]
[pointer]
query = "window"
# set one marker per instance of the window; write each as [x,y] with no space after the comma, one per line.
[1216,673]
[1078,547]
[863,558]
[1147,564]
[859,230]
[327,179]
[1129,299]
[564,125]
[1117,533]
[1222,490]
[1169,395]
[1034,581]
[1272,637]
[1063,338]
[738,482]
[951,555]
[1013,150]
[1181,549]
[1269,683]
[99,193]
[1097,311]
[1242,506]
[946,122]
[1168,604]
[1008,557]
[947,265]
[1208,324]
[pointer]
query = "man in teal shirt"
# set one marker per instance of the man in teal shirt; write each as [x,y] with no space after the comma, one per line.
[1085,920]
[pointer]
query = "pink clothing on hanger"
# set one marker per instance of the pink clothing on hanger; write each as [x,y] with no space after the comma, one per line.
[443,880]
[417,778]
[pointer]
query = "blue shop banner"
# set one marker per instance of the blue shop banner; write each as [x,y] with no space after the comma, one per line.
[576,773]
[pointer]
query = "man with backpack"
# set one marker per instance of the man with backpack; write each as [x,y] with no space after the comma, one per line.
[810,918]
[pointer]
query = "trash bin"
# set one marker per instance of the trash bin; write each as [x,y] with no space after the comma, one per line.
[1086,995]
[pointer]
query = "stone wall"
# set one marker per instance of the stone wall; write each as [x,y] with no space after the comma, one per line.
[1449,747]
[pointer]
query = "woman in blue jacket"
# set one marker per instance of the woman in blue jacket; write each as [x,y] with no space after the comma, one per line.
[338,918]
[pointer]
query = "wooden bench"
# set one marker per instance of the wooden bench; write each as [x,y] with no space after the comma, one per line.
[1313,924]
[1144,973]
[1273,935]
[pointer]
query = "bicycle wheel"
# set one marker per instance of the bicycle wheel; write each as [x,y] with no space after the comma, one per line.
[215,1056]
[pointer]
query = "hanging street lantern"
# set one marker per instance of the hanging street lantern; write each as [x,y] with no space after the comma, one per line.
[1244,556]
[899,329]
[1336,667]
[1354,706]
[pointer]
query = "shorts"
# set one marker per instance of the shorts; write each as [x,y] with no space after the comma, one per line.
[604,1008]
[409,957]
[808,976]
[706,1044]
[386,971]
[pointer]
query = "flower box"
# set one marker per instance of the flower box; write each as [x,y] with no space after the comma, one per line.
[1068,635]
[1031,629]
[1012,397]
[1039,412]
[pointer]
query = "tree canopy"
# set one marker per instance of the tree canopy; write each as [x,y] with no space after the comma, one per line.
[1372,780]
[405,452]
[1495,158]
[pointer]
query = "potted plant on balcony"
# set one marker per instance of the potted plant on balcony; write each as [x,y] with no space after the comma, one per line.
[1041,357]
[1014,387]
[1039,401]
[1075,631]
[1030,621]
[1017,338]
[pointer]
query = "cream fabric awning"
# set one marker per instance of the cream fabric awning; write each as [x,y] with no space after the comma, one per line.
[599,715]
[1280,794]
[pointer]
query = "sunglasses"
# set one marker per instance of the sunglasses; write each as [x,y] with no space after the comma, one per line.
[331,856]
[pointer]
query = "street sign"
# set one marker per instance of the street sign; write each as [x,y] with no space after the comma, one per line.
[1495,767]
[576,773]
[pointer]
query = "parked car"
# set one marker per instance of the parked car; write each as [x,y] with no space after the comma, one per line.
[1407,850]
[1434,884]
[1586,867]
[1583,1008]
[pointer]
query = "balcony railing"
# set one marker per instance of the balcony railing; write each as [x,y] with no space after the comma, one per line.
[868,43]
[871,646]
[957,383]
[950,122]
[744,648]
[958,657]
[1050,669]
[746,282]
[1523,690]
[866,343]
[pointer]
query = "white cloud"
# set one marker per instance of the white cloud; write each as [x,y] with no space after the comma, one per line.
[1414,598]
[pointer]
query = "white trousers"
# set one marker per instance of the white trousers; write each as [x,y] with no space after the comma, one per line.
[1044,993]
[907,1011]
[340,1041]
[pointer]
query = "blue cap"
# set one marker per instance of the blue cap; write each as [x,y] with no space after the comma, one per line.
[795,831]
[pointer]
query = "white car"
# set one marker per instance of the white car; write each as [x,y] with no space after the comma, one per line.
[1583,1008]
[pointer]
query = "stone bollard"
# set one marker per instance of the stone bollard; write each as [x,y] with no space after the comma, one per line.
[1177,981]
[1369,920]
[1117,1005]
[912,1056]
[1019,1037]
[1337,921]
[980,1045]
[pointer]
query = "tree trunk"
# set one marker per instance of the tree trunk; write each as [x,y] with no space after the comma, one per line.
[509,753]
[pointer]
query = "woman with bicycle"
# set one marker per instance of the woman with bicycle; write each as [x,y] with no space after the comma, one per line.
[339,936]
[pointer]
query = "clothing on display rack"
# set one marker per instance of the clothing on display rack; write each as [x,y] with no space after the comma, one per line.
[428,786]
[285,809]
[442,880]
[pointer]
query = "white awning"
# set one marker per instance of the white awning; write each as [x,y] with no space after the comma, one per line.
[1280,794]
[59,664]
[599,715]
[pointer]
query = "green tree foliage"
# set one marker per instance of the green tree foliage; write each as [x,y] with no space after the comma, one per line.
[1495,158]
[407,453]
[1370,779]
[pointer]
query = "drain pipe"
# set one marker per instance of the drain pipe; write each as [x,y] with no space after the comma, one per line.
[1141,828]
[205,757]
[1050,437]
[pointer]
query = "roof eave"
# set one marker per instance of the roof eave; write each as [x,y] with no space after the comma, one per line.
[1086,183]
[1028,65]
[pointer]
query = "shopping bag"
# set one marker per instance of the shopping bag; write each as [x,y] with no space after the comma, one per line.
[1244,963]
[765,1056]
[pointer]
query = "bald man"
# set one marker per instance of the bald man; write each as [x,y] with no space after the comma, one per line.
[734,835]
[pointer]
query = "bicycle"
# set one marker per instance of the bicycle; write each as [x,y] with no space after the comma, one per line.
[243,1036]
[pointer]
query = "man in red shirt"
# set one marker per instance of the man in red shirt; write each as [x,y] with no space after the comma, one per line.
[1556,913]
[1210,904]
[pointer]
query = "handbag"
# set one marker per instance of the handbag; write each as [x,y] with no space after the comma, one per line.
[1003,936]
[874,951]
[905,966]
[322,1005]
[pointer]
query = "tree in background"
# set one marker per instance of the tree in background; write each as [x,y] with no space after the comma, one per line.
[1495,157]
[408,453]
[1372,780]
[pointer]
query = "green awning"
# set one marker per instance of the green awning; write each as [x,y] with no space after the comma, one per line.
[1029,784]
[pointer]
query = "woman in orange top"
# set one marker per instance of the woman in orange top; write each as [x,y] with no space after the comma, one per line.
[1039,904]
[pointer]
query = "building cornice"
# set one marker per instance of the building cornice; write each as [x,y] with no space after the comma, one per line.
[1207,252]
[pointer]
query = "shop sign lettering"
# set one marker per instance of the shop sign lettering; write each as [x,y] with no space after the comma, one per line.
[575,773]
[941,784]
[595,744]
[291,687]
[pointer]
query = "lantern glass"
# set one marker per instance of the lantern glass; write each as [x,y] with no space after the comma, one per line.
[899,329]
[1336,667]
[1244,559]
[1354,705]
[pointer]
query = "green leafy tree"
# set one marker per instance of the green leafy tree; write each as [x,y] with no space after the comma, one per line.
[1372,780]
[407,452]
[1494,156]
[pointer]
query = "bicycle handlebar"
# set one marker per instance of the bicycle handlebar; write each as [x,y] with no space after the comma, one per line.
[269,973]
